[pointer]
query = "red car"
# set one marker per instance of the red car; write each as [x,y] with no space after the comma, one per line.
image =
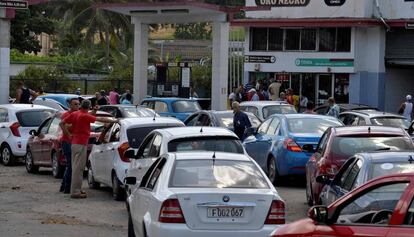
[44,146]
[383,207]
[340,143]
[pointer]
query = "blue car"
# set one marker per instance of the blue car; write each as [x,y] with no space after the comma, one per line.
[360,169]
[63,99]
[279,144]
[179,108]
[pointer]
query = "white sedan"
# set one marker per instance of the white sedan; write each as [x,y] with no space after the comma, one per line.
[204,194]
[107,161]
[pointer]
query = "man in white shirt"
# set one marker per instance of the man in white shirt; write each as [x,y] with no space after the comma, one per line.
[406,108]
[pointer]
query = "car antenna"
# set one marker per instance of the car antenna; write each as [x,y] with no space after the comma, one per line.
[410,159]
[201,130]
[153,118]
[369,129]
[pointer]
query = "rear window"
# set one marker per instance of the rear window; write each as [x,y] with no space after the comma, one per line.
[382,169]
[217,174]
[219,144]
[185,106]
[311,125]
[132,112]
[136,135]
[226,120]
[278,109]
[33,118]
[391,122]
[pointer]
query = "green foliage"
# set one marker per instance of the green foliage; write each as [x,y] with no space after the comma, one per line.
[194,31]
[201,80]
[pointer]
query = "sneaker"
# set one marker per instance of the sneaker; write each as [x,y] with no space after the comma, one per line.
[78,195]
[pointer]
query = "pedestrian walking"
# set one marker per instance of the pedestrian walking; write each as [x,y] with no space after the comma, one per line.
[289,96]
[406,108]
[333,108]
[24,95]
[240,121]
[127,100]
[274,90]
[80,122]
[66,148]
[114,97]
[310,106]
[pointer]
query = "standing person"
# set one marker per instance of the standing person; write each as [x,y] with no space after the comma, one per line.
[80,122]
[310,106]
[123,96]
[114,97]
[78,91]
[253,96]
[274,90]
[239,93]
[303,103]
[102,98]
[24,95]
[333,108]
[66,148]
[232,96]
[240,120]
[127,100]
[261,93]
[41,91]
[282,97]
[193,93]
[289,96]
[406,108]
[251,84]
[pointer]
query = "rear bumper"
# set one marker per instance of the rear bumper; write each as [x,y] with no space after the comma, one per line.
[294,163]
[181,230]
[18,146]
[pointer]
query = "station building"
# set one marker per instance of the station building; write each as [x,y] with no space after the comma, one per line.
[356,51]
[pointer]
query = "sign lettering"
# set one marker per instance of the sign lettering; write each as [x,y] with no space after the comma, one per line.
[14,4]
[324,62]
[335,3]
[259,59]
[282,3]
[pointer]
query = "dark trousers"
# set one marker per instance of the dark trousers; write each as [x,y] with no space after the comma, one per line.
[67,152]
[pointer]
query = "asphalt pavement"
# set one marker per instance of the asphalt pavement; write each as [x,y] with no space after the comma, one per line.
[30,205]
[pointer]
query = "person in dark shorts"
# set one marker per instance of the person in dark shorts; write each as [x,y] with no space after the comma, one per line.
[24,95]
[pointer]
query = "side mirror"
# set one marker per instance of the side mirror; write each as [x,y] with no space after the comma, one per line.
[130,153]
[308,148]
[130,180]
[322,179]
[318,214]
[250,132]
[33,132]
[411,129]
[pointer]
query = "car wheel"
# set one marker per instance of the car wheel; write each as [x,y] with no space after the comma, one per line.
[91,180]
[131,232]
[272,172]
[57,168]
[309,198]
[118,193]
[7,155]
[28,161]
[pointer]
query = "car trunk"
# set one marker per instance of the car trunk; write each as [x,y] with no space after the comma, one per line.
[225,209]
[306,138]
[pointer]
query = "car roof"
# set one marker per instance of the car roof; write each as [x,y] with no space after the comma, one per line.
[349,130]
[24,107]
[374,113]
[145,121]
[387,156]
[168,99]
[208,155]
[59,95]
[125,106]
[355,106]
[197,131]
[263,103]
[296,116]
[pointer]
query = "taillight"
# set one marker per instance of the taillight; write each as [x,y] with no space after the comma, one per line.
[276,214]
[171,212]
[121,150]
[15,129]
[291,145]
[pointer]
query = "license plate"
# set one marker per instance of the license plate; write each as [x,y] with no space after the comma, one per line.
[225,212]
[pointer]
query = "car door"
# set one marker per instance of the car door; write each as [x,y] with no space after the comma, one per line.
[37,147]
[192,120]
[99,157]
[354,216]
[4,122]
[256,145]
[48,139]
[404,227]
[109,153]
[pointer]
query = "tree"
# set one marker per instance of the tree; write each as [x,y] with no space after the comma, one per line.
[195,31]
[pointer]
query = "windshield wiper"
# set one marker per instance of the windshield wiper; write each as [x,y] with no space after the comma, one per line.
[383,149]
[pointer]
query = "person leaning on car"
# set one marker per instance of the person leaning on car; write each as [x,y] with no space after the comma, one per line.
[80,122]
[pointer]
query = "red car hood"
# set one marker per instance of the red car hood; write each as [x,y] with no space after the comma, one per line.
[303,227]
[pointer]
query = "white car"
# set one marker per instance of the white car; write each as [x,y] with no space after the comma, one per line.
[107,161]
[161,141]
[264,109]
[204,194]
[16,121]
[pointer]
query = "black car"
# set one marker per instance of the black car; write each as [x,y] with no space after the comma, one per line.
[128,111]
[213,118]
[323,109]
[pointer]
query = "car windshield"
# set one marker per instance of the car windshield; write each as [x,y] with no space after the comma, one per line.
[278,109]
[311,125]
[382,169]
[348,146]
[133,112]
[391,122]
[33,118]
[185,106]
[219,144]
[136,135]
[226,120]
[217,174]
[97,126]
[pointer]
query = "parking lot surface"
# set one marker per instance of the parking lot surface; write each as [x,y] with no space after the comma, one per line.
[30,205]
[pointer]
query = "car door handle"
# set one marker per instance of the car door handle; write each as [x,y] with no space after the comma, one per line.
[3,126]
[113,148]
[100,151]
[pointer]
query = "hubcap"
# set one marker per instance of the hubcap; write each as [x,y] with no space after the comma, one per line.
[29,160]
[90,177]
[6,155]
[54,165]
[271,170]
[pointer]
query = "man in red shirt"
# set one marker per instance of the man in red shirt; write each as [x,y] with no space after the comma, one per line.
[81,128]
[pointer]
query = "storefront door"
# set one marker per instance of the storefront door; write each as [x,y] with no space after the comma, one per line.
[324,85]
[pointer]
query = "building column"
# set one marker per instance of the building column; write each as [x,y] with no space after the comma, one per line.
[4,57]
[219,80]
[140,61]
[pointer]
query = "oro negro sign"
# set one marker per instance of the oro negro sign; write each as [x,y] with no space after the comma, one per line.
[282,3]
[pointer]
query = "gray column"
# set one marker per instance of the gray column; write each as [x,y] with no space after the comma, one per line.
[4,57]
[220,61]
[140,61]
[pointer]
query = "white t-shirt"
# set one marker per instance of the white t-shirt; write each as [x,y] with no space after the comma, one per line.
[232,96]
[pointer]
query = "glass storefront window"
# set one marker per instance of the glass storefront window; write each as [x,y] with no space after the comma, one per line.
[343,40]
[292,40]
[324,88]
[327,39]
[308,39]
[275,39]
[258,39]
[341,92]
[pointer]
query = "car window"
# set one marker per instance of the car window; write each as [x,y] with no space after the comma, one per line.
[322,110]
[253,110]
[391,122]
[155,146]
[135,112]
[409,216]
[192,120]
[278,109]
[361,121]
[45,126]
[136,135]
[391,167]
[111,110]
[54,127]
[219,144]
[217,174]
[203,120]
[4,115]
[362,208]
[115,133]
[185,106]
[348,119]
[349,178]
[323,142]
[33,118]
[149,172]
[263,128]
[144,149]
[152,180]
[160,107]
[311,125]
[343,172]
[273,127]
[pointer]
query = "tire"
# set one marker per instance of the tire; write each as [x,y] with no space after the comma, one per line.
[131,232]
[7,156]
[57,168]
[28,161]
[309,196]
[272,172]
[118,193]
[91,180]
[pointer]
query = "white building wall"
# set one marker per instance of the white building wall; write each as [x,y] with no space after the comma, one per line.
[393,9]
[398,84]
